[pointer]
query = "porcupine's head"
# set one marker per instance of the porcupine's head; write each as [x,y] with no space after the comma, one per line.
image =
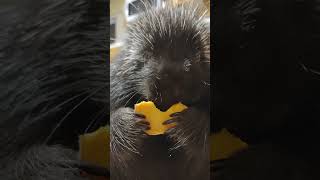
[171,49]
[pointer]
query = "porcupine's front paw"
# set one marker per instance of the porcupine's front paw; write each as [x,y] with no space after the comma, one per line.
[190,136]
[127,135]
[192,128]
[127,130]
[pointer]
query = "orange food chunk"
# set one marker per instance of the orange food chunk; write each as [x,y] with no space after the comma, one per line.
[224,144]
[94,147]
[156,117]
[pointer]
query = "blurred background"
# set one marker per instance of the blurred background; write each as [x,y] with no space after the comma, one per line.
[124,12]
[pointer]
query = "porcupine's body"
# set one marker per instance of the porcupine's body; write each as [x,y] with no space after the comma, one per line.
[165,60]
[53,83]
[267,87]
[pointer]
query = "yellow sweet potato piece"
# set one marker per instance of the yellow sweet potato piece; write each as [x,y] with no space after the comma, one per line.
[94,147]
[156,117]
[224,144]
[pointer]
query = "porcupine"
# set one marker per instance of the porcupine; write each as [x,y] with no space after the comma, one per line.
[53,84]
[166,59]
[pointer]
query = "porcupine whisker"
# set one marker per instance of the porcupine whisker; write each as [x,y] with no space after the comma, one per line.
[156,91]
[94,120]
[73,109]
[139,100]
[134,93]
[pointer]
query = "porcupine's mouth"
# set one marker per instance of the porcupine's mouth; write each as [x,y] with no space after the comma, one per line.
[165,105]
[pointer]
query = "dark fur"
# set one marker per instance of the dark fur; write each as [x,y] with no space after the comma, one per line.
[154,66]
[53,84]
[267,86]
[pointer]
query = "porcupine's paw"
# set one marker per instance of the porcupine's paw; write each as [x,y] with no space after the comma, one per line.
[127,134]
[190,136]
[141,123]
[192,128]
[127,129]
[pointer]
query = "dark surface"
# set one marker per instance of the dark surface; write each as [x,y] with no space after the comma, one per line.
[267,86]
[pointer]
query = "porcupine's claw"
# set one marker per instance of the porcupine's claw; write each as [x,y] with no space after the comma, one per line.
[175,118]
[142,122]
